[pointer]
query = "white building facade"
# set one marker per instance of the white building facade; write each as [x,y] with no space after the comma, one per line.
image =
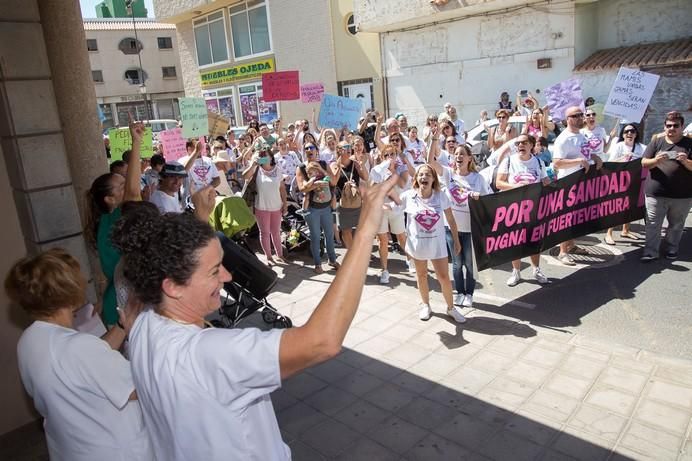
[226,45]
[121,88]
[467,52]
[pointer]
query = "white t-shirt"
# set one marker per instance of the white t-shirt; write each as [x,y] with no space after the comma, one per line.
[569,146]
[459,188]
[417,151]
[444,158]
[268,196]
[205,392]
[327,155]
[425,228]
[150,178]
[518,170]
[459,125]
[597,139]
[203,172]
[620,152]
[82,388]
[166,203]
[288,164]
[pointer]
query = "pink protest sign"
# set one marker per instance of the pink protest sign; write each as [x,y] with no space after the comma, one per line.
[311,92]
[173,144]
[281,86]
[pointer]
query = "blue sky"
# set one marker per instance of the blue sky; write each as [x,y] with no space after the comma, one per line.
[88,7]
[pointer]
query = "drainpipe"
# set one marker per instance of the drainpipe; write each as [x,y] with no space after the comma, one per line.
[385,86]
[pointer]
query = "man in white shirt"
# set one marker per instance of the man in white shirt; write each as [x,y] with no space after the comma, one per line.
[166,196]
[571,153]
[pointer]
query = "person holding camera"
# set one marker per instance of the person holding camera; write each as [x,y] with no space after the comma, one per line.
[669,188]
[270,201]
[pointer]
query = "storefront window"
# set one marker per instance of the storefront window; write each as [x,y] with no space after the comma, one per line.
[252,106]
[221,102]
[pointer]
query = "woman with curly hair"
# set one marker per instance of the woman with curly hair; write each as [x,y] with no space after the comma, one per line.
[198,385]
[104,198]
[80,384]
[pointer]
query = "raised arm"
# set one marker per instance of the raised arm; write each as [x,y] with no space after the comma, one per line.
[134,165]
[193,157]
[379,118]
[322,336]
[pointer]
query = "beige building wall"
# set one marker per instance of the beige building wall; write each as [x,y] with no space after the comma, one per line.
[301,37]
[357,56]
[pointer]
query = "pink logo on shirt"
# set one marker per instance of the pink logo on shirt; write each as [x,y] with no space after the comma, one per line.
[524,177]
[458,194]
[427,219]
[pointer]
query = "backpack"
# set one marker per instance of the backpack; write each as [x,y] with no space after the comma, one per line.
[350,195]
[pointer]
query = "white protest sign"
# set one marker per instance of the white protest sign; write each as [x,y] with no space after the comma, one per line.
[630,95]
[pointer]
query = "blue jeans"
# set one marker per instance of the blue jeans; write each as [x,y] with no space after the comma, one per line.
[320,220]
[464,285]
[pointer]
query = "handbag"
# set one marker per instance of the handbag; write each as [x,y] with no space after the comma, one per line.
[350,195]
[250,190]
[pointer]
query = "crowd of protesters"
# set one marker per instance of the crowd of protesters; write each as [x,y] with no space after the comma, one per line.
[384,181]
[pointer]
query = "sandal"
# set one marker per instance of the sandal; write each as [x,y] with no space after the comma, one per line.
[609,240]
[566,259]
[630,236]
[318,269]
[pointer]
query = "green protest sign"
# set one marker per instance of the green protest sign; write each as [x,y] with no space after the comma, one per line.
[120,141]
[193,113]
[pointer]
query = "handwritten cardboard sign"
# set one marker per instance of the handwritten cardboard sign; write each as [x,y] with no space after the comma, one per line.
[562,96]
[630,95]
[218,125]
[311,92]
[281,86]
[120,141]
[173,144]
[193,113]
[337,112]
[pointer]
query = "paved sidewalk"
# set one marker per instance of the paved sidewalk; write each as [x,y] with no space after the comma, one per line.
[493,388]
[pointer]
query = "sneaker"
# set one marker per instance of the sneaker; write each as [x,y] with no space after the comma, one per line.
[647,258]
[456,314]
[566,259]
[411,267]
[540,276]
[425,312]
[459,299]
[468,301]
[672,255]
[514,278]
[384,277]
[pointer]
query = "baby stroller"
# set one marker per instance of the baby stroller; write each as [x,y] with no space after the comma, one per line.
[295,233]
[252,280]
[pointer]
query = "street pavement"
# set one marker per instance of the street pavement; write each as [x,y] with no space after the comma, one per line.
[595,366]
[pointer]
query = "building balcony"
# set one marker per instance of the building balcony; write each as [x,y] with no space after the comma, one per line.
[393,15]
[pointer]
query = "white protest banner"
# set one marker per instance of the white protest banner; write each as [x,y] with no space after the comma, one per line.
[173,144]
[311,92]
[630,95]
[193,113]
[563,95]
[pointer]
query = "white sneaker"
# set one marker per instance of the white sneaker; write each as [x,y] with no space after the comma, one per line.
[384,277]
[425,312]
[411,267]
[456,314]
[459,300]
[540,276]
[514,278]
[468,301]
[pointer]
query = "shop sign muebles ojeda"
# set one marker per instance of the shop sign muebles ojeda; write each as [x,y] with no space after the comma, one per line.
[244,71]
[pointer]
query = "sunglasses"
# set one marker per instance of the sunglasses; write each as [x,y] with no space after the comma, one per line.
[502,117]
[630,132]
[591,115]
[395,140]
[310,148]
[387,155]
[579,115]
[519,143]
[672,125]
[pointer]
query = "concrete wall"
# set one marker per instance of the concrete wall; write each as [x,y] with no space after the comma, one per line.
[358,56]
[586,31]
[470,61]
[113,62]
[630,22]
